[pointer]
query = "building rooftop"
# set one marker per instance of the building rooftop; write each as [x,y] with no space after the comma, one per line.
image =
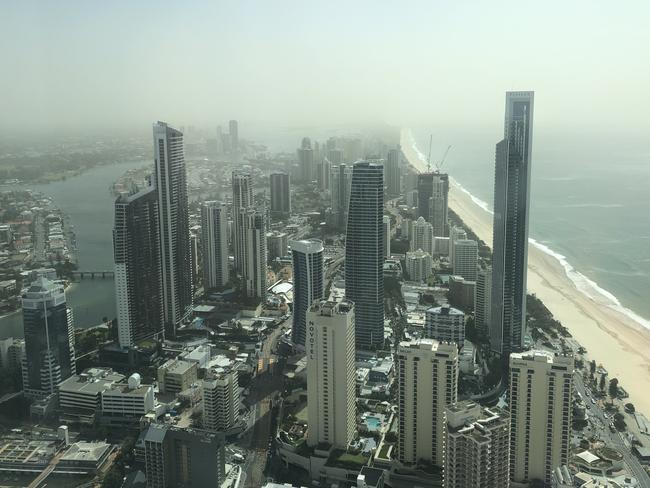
[177,366]
[86,451]
[91,381]
[445,310]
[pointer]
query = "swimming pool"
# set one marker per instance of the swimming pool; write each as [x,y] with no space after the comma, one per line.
[373,423]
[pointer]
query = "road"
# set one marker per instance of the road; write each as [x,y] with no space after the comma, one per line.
[263,389]
[613,439]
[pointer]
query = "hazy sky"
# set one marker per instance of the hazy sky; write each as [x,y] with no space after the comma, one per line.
[88,63]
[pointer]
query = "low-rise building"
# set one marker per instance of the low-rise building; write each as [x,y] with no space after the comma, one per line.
[83,458]
[176,375]
[80,395]
[127,402]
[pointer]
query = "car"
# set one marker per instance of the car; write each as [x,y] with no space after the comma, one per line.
[593,400]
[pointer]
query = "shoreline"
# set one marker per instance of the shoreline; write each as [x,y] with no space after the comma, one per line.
[613,335]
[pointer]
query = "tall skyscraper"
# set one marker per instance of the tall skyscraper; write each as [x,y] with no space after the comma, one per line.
[306,160]
[510,229]
[439,205]
[421,236]
[171,187]
[253,230]
[280,195]
[214,244]
[386,235]
[234,135]
[427,382]
[49,338]
[466,259]
[541,390]
[340,191]
[308,277]
[331,374]
[136,253]
[324,173]
[425,192]
[482,299]
[392,173]
[364,279]
[242,199]
[183,458]
[477,448]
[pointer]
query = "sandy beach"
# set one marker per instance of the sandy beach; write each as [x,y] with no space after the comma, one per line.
[612,338]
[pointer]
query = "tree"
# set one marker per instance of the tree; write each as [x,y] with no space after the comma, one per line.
[613,388]
[603,382]
[592,368]
[619,422]
[629,407]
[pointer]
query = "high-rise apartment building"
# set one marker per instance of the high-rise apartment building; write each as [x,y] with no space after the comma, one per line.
[306,160]
[331,374]
[419,265]
[174,229]
[220,399]
[510,229]
[277,244]
[455,234]
[421,236]
[466,259]
[324,174]
[477,447]
[253,232]
[439,205]
[136,253]
[280,195]
[242,199]
[183,458]
[214,243]
[340,181]
[445,324]
[427,376]
[541,390]
[364,279]
[482,299]
[308,283]
[49,338]
[392,173]
[233,128]
[386,234]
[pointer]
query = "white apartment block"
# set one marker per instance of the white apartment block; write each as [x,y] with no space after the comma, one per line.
[445,324]
[130,400]
[477,447]
[331,373]
[427,374]
[541,388]
[220,399]
[419,265]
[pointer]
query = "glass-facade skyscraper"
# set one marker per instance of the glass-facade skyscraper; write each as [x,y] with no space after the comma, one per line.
[171,184]
[49,338]
[308,277]
[364,258]
[510,231]
[136,252]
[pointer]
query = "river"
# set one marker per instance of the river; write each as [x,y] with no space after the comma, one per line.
[88,201]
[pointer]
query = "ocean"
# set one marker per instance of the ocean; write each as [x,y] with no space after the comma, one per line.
[590,204]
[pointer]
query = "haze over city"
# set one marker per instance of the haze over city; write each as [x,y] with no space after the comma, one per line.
[87,65]
[290,244]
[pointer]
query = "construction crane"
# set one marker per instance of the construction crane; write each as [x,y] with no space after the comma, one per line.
[429,157]
[440,163]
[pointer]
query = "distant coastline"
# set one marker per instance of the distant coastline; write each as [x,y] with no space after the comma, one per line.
[613,335]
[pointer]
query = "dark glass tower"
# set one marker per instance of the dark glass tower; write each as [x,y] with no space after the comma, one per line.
[171,185]
[280,195]
[49,338]
[510,230]
[136,251]
[307,283]
[364,259]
